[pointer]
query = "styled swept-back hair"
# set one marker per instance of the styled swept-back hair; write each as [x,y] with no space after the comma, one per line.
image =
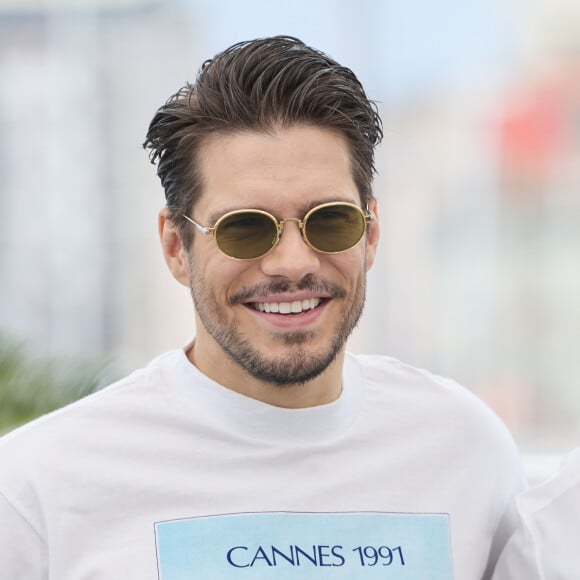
[259,85]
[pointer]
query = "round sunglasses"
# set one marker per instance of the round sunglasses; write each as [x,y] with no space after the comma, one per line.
[247,234]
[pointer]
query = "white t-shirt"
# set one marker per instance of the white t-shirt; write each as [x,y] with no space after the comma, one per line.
[546,545]
[168,475]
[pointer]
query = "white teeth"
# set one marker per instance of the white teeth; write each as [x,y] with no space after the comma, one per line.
[288,307]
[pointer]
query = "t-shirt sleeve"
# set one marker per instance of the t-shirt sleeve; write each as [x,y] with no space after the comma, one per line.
[545,543]
[23,553]
[518,559]
[513,483]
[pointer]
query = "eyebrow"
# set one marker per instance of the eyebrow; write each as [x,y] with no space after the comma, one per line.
[304,209]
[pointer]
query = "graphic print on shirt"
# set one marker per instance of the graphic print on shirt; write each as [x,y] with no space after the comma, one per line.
[317,546]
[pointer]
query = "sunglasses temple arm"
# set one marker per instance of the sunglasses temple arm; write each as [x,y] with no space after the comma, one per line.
[198,227]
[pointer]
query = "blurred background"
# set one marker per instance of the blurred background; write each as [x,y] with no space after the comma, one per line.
[477,276]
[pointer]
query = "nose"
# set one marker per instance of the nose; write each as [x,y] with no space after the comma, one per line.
[292,257]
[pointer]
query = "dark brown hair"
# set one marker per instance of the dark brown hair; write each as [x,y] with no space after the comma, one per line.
[259,85]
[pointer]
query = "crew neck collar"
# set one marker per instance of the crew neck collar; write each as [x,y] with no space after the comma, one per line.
[253,418]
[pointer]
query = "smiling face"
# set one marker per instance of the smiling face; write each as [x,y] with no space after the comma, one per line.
[283,318]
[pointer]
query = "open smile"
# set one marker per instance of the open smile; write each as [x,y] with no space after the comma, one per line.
[294,307]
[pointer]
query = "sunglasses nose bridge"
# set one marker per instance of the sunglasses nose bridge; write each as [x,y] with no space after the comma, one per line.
[297,221]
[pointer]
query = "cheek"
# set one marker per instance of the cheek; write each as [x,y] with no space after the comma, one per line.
[219,274]
[351,264]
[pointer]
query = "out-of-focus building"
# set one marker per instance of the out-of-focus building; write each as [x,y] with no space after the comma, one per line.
[80,264]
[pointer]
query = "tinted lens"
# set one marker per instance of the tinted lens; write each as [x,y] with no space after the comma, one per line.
[246,234]
[335,227]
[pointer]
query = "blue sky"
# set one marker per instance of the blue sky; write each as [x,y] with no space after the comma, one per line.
[396,47]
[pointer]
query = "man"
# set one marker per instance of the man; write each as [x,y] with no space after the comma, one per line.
[263,449]
[545,544]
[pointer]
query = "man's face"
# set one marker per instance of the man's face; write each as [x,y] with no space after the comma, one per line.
[241,305]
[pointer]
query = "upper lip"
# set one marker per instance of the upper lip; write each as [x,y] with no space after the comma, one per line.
[286,297]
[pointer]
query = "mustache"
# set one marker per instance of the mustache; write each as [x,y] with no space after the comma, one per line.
[273,287]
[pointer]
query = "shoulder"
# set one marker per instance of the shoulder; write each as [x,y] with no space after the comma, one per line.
[85,416]
[385,370]
[393,377]
[56,452]
[441,403]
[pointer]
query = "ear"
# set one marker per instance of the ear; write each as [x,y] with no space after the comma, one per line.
[373,234]
[173,249]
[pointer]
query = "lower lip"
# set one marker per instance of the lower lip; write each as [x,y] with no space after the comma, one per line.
[292,321]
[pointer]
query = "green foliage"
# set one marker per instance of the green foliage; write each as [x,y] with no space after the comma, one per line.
[31,385]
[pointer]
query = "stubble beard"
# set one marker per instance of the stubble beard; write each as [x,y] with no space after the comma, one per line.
[299,363]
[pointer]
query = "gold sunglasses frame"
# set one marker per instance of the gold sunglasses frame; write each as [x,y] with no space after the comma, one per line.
[279,223]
